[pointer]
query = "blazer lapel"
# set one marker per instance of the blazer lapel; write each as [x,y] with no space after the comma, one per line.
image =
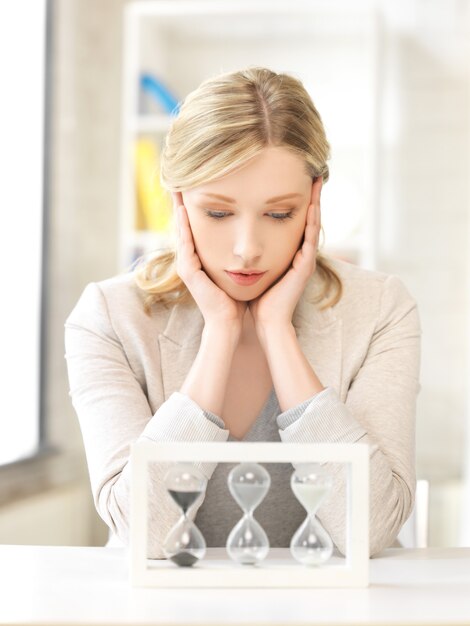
[319,333]
[179,345]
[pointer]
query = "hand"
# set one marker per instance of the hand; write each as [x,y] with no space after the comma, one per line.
[275,307]
[217,308]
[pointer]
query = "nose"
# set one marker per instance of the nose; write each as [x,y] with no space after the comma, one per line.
[248,245]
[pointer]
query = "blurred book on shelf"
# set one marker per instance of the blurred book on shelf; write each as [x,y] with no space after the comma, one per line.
[155,96]
[153,202]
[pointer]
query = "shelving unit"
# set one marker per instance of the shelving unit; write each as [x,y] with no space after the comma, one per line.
[332,47]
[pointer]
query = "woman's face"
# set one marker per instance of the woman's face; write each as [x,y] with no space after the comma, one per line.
[248,228]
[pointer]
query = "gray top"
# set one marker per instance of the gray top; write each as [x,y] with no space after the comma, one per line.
[279,527]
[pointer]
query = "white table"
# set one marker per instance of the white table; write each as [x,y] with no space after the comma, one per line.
[67,585]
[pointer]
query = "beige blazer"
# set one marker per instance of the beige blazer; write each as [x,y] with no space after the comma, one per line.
[125,371]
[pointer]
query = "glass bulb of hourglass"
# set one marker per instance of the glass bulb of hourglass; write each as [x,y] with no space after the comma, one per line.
[311,544]
[185,544]
[247,542]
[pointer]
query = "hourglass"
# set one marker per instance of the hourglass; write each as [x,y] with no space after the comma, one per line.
[311,544]
[247,542]
[185,543]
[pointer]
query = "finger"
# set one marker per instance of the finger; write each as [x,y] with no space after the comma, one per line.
[316,189]
[310,226]
[187,259]
[177,220]
[304,260]
[311,216]
[315,218]
[186,235]
[310,241]
[307,253]
[316,221]
[316,242]
[177,198]
[318,218]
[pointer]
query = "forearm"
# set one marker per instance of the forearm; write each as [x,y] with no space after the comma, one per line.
[207,379]
[293,377]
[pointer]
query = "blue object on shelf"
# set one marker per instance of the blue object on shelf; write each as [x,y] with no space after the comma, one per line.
[153,86]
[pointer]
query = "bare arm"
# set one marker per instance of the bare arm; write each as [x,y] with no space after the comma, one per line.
[293,377]
[207,379]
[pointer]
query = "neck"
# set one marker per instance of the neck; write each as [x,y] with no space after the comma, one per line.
[248,335]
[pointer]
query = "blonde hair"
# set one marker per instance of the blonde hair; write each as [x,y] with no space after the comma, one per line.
[225,122]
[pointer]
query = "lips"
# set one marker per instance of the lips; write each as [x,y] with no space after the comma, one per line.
[246,277]
[246,272]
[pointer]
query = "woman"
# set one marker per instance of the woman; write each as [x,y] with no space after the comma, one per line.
[245,331]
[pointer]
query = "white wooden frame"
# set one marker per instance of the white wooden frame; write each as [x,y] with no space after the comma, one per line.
[350,571]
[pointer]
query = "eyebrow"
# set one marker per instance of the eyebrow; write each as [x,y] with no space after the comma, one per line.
[218,196]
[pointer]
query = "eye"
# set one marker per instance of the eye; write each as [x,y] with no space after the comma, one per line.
[280,217]
[216,214]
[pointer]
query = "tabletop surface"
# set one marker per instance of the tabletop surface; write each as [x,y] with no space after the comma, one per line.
[74,585]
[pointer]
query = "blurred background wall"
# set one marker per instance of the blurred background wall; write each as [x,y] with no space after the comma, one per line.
[415,190]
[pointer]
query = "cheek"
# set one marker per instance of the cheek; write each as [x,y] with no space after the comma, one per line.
[208,240]
[199,229]
[200,232]
[291,243]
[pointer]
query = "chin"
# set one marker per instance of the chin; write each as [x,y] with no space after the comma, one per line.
[245,294]
[242,294]
[244,298]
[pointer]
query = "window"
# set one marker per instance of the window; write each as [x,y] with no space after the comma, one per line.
[23,64]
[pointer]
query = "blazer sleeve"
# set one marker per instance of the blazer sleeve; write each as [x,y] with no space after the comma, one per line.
[379,410]
[113,412]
